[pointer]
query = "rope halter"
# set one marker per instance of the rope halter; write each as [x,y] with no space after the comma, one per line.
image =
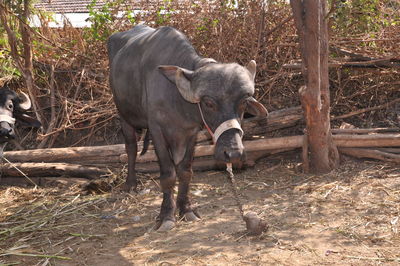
[8,119]
[228,124]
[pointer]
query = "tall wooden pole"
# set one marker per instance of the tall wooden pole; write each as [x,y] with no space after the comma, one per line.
[311,24]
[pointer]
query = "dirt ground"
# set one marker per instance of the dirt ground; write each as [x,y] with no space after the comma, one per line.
[347,217]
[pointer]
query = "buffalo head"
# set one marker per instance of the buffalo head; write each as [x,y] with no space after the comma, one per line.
[12,109]
[223,92]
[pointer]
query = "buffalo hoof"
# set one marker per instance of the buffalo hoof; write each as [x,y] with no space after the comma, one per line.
[191,217]
[128,188]
[166,226]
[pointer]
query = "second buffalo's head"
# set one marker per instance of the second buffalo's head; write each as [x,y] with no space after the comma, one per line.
[13,108]
[223,92]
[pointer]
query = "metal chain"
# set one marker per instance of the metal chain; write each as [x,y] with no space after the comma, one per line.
[233,186]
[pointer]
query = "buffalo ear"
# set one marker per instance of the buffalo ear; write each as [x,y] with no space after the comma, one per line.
[169,72]
[181,78]
[27,120]
[256,108]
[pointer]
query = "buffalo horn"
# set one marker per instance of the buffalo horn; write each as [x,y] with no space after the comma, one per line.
[25,103]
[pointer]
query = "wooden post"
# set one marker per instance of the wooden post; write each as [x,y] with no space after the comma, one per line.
[311,24]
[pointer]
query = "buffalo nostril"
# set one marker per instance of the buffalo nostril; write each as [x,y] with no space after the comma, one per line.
[227,156]
[3,132]
[233,155]
[6,132]
[11,134]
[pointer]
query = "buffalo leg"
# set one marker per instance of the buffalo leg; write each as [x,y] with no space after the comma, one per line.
[166,218]
[185,174]
[131,149]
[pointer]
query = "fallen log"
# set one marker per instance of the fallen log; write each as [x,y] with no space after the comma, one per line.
[206,164]
[371,153]
[110,153]
[46,162]
[74,170]
[116,153]
[270,144]
[51,169]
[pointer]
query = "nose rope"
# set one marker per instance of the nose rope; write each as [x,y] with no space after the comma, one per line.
[8,119]
[205,124]
[228,124]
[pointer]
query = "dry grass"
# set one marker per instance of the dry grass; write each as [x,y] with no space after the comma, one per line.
[348,216]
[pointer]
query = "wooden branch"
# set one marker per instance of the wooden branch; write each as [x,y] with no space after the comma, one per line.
[363,130]
[343,52]
[279,25]
[53,120]
[385,63]
[298,17]
[369,153]
[364,110]
[12,39]
[389,150]
[375,140]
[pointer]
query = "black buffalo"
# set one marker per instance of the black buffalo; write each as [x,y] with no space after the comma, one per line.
[13,108]
[160,83]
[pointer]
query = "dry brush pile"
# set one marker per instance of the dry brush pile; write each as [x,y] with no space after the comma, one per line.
[71,66]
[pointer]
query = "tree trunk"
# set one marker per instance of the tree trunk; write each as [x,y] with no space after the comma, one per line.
[311,25]
[28,55]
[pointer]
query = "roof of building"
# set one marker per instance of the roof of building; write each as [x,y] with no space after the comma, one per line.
[68,6]
[81,6]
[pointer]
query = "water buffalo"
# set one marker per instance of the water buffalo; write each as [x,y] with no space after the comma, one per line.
[12,109]
[160,83]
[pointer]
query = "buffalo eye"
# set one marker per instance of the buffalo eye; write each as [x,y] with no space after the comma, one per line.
[10,106]
[210,104]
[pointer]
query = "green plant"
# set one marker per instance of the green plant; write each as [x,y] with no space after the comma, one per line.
[164,13]
[363,16]
[101,20]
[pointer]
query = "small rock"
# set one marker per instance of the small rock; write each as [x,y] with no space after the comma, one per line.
[108,217]
[144,191]
[254,224]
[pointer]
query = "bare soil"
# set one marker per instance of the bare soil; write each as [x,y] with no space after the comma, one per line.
[347,217]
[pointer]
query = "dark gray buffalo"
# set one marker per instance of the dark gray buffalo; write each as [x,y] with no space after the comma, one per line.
[13,108]
[160,83]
